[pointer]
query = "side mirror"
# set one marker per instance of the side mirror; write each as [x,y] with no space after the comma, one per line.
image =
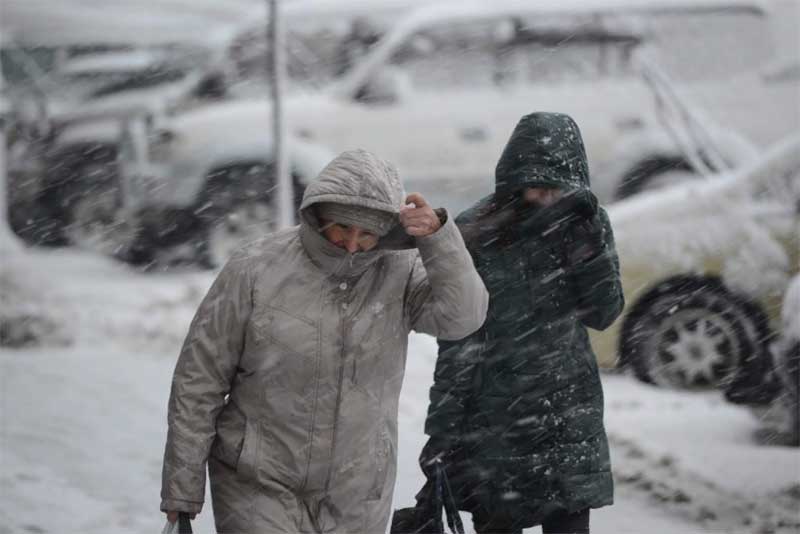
[383,88]
[213,86]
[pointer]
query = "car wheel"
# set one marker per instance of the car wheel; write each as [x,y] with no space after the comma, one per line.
[95,217]
[241,224]
[689,332]
[239,208]
[654,173]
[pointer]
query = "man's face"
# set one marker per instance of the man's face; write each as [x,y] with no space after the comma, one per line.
[351,238]
[542,196]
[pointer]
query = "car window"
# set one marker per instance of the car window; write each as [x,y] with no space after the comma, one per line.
[86,84]
[709,45]
[515,50]
[141,80]
[451,56]
[314,57]
[560,48]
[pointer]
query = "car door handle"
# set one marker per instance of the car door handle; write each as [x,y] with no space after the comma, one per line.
[473,134]
[629,124]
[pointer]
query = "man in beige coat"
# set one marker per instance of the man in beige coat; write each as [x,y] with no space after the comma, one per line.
[288,381]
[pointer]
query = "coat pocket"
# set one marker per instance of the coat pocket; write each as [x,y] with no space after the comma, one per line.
[383,460]
[246,463]
[230,428]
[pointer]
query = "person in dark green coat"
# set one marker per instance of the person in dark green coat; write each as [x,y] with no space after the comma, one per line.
[516,409]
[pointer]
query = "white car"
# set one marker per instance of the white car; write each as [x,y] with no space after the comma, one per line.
[72,123]
[207,181]
[441,92]
[661,90]
[110,85]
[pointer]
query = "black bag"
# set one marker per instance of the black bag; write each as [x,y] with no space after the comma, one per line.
[426,517]
[184,523]
[182,526]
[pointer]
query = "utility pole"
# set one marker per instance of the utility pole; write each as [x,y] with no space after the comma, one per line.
[284,197]
[8,241]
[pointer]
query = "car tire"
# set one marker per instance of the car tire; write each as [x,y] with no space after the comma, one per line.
[238,208]
[654,172]
[691,332]
[81,196]
[95,217]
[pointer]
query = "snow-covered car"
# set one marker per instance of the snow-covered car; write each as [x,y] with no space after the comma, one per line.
[324,39]
[72,146]
[114,84]
[204,179]
[98,98]
[439,93]
[704,266]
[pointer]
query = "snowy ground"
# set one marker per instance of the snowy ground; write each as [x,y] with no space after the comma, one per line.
[83,426]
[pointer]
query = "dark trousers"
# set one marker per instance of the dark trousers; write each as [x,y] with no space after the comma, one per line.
[557,523]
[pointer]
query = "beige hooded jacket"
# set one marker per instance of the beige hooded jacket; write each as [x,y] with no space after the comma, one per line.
[289,379]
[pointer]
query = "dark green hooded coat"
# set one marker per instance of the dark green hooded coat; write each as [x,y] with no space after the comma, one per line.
[522,396]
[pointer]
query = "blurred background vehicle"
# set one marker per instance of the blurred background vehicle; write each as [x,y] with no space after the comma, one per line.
[72,120]
[705,266]
[67,185]
[141,130]
[204,181]
[495,62]
[663,91]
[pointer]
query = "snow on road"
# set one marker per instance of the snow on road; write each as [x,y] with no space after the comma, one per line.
[83,426]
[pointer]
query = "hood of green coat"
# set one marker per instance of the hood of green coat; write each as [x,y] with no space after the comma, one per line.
[545,150]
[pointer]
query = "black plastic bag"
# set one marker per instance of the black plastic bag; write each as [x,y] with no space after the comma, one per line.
[426,517]
[184,523]
[182,526]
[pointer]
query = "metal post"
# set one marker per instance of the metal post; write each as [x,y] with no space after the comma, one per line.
[8,241]
[284,197]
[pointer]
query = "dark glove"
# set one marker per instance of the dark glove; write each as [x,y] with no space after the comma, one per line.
[583,203]
[586,240]
[442,447]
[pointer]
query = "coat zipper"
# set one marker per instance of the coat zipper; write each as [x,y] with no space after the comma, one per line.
[342,357]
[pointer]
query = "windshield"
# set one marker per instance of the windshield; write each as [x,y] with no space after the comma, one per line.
[709,45]
[315,54]
[545,48]
[146,79]
[514,50]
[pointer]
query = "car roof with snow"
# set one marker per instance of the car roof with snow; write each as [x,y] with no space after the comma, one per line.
[779,163]
[478,9]
[465,11]
[125,61]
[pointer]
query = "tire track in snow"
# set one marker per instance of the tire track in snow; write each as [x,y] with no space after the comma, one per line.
[698,499]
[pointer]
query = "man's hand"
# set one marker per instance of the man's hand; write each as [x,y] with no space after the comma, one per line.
[173,516]
[417,217]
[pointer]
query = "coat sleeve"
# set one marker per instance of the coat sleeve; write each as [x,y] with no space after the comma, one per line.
[202,378]
[596,282]
[445,296]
